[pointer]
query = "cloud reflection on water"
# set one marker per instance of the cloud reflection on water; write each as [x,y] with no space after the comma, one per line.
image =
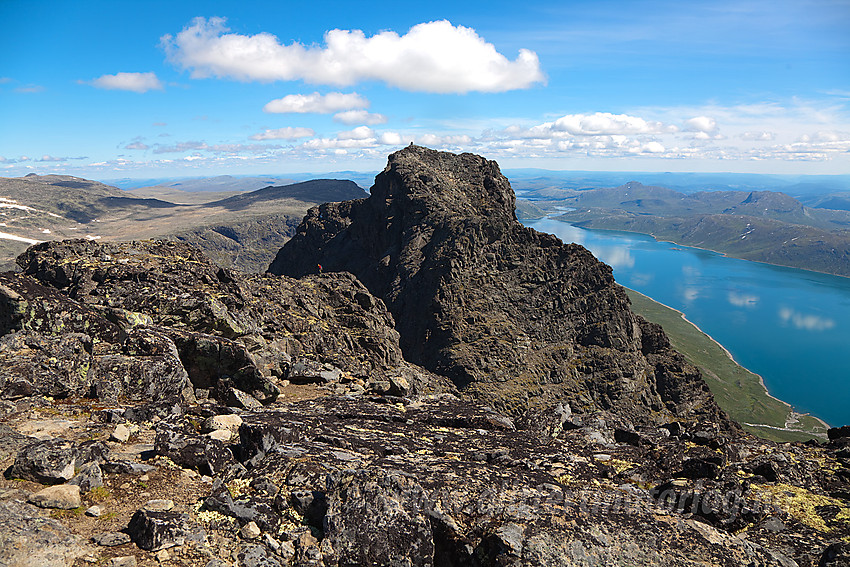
[805,322]
[743,299]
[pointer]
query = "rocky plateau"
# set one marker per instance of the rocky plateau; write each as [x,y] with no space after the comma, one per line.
[418,381]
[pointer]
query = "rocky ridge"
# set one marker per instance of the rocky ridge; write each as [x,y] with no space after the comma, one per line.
[514,317]
[160,410]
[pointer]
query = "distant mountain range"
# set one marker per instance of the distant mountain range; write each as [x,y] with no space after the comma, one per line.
[764,226]
[237,229]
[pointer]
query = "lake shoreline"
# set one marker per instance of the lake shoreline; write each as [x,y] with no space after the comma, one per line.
[725,254]
[791,413]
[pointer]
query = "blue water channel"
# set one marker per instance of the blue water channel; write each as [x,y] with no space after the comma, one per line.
[790,326]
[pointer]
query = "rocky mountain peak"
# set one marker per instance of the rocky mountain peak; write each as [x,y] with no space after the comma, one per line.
[514,317]
[427,180]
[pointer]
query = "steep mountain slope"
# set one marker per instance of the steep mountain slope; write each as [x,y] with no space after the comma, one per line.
[514,317]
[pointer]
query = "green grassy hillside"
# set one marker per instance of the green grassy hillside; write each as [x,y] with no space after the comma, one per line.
[737,390]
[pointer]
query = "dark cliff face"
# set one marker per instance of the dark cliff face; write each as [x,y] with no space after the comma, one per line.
[514,317]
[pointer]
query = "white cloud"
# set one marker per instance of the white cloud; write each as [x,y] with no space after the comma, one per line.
[316,103]
[288,133]
[137,145]
[359,133]
[136,82]
[390,138]
[360,117]
[604,123]
[336,143]
[701,124]
[652,148]
[431,57]
[597,124]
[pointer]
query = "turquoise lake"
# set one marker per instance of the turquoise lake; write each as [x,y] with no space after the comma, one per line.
[790,326]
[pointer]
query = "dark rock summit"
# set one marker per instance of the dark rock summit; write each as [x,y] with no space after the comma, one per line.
[514,317]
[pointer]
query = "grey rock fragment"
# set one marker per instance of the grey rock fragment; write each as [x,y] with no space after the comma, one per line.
[89,476]
[111,539]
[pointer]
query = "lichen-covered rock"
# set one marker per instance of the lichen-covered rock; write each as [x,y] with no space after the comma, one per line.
[89,476]
[153,531]
[377,517]
[514,317]
[56,366]
[28,539]
[440,481]
[147,368]
[230,329]
[187,447]
[47,462]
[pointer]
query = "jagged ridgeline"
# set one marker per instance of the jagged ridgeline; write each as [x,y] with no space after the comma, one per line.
[514,317]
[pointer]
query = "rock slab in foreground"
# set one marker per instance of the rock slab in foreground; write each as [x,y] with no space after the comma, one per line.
[30,540]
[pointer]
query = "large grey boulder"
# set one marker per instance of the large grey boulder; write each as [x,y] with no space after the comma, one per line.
[47,462]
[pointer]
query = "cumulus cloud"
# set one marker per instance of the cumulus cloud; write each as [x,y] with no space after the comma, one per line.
[604,123]
[701,124]
[136,82]
[136,146]
[390,138]
[288,133]
[316,103]
[597,124]
[359,133]
[435,57]
[360,117]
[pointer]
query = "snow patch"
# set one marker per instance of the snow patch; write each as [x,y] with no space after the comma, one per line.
[7,236]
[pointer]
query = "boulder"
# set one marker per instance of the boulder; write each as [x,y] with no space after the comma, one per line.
[153,531]
[47,462]
[61,496]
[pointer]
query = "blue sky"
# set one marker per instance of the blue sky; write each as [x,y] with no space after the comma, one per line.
[146,89]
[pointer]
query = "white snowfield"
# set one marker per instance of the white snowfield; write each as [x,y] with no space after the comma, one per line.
[7,236]
[7,203]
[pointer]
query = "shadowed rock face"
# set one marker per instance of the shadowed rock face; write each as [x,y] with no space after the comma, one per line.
[512,316]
